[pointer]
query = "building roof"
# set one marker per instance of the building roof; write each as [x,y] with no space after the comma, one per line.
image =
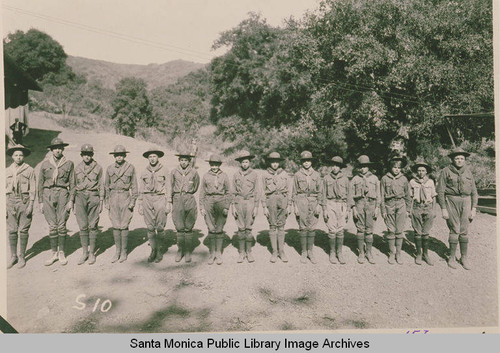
[14,75]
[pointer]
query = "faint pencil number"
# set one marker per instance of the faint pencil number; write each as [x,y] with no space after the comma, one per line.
[412,332]
[103,306]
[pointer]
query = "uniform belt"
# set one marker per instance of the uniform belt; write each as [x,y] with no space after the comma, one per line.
[308,194]
[153,193]
[215,194]
[394,198]
[93,192]
[336,199]
[118,190]
[364,197]
[250,197]
[277,193]
[182,193]
[55,187]
[421,204]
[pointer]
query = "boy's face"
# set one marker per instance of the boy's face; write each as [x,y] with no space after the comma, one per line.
[459,161]
[396,168]
[57,151]
[336,169]
[87,157]
[275,164]
[421,172]
[245,164]
[120,158]
[214,166]
[183,162]
[18,157]
[364,169]
[306,163]
[153,159]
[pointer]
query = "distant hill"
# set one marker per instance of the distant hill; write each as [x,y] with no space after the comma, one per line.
[109,73]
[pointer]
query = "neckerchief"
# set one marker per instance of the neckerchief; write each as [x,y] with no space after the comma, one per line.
[15,171]
[216,175]
[461,180]
[184,173]
[153,171]
[307,173]
[422,182]
[245,172]
[336,177]
[365,181]
[56,165]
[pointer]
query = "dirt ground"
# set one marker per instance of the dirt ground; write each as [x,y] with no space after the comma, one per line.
[180,297]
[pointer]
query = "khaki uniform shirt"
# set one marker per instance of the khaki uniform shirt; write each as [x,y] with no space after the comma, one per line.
[275,182]
[20,180]
[121,178]
[336,187]
[422,190]
[155,180]
[394,187]
[456,182]
[55,173]
[246,185]
[362,186]
[215,184]
[89,178]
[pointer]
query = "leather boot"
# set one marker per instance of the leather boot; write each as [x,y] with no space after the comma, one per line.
[180,245]
[13,250]
[273,236]
[333,255]
[92,241]
[118,245]
[53,247]
[340,244]
[392,250]
[425,250]
[61,255]
[211,248]
[369,255]
[418,246]
[281,245]
[123,253]
[187,247]
[399,246]
[361,248]
[452,262]
[463,252]
[241,250]
[249,243]
[84,241]
[152,244]
[310,247]
[159,248]
[22,250]
[218,251]
[303,245]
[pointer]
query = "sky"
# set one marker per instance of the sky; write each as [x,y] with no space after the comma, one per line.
[142,32]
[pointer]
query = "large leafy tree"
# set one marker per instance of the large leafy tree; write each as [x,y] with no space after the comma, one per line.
[132,109]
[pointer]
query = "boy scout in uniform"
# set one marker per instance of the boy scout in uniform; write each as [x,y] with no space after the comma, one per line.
[56,187]
[457,197]
[155,200]
[245,204]
[185,181]
[276,204]
[423,195]
[307,196]
[215,198]
[120,186]
[21,191]
[365,192]
[395,204]
[88,201]
[335,210]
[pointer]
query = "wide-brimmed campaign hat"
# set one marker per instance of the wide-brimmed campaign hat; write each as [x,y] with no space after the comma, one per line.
[155,151]
[458,151]
[306,155]
[184,153]
[119,149]
[87,148]
[338,161]
[421,163]
[274,156]
[215,158]
[57,142]
[244,155]
[11,150]
[364,160]
[403,160]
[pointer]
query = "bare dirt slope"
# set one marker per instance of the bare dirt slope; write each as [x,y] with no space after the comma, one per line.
[171,297]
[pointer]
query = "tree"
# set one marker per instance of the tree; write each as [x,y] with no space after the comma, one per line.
[132,109]
[36,52]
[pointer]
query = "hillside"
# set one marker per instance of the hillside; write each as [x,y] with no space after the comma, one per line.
[109,73]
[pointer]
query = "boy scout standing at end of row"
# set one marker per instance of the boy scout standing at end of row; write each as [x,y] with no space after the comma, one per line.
[307,195]
[185,182]
[335,210]
[276,204]
[21,191]
[457,197]
[88,201]
[245,204]
[120,185]
[56,186]
[365,191]
[215,199]
[155,200]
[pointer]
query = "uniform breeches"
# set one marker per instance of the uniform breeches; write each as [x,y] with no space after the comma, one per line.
[87,210]
[395,217]
[214,216]
[277,206]
[337,212]
[244,210]
[366,213]
[119,213]
[306,206]
[184,212]
[17,219]
[422,218]
[459,209]
[154,206]
[55,201]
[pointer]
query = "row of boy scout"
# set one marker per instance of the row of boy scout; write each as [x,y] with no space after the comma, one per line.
[61,188]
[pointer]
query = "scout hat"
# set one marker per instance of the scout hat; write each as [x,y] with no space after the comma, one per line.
[274,156]
[306,155]
[403,161]
[421,163]
[364,160]
[155,151]
[87,148]
[119,149]
[57,142]
[215,158]
[458,151]
[184,153]
[339,161]
[11,150]
[244,155]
